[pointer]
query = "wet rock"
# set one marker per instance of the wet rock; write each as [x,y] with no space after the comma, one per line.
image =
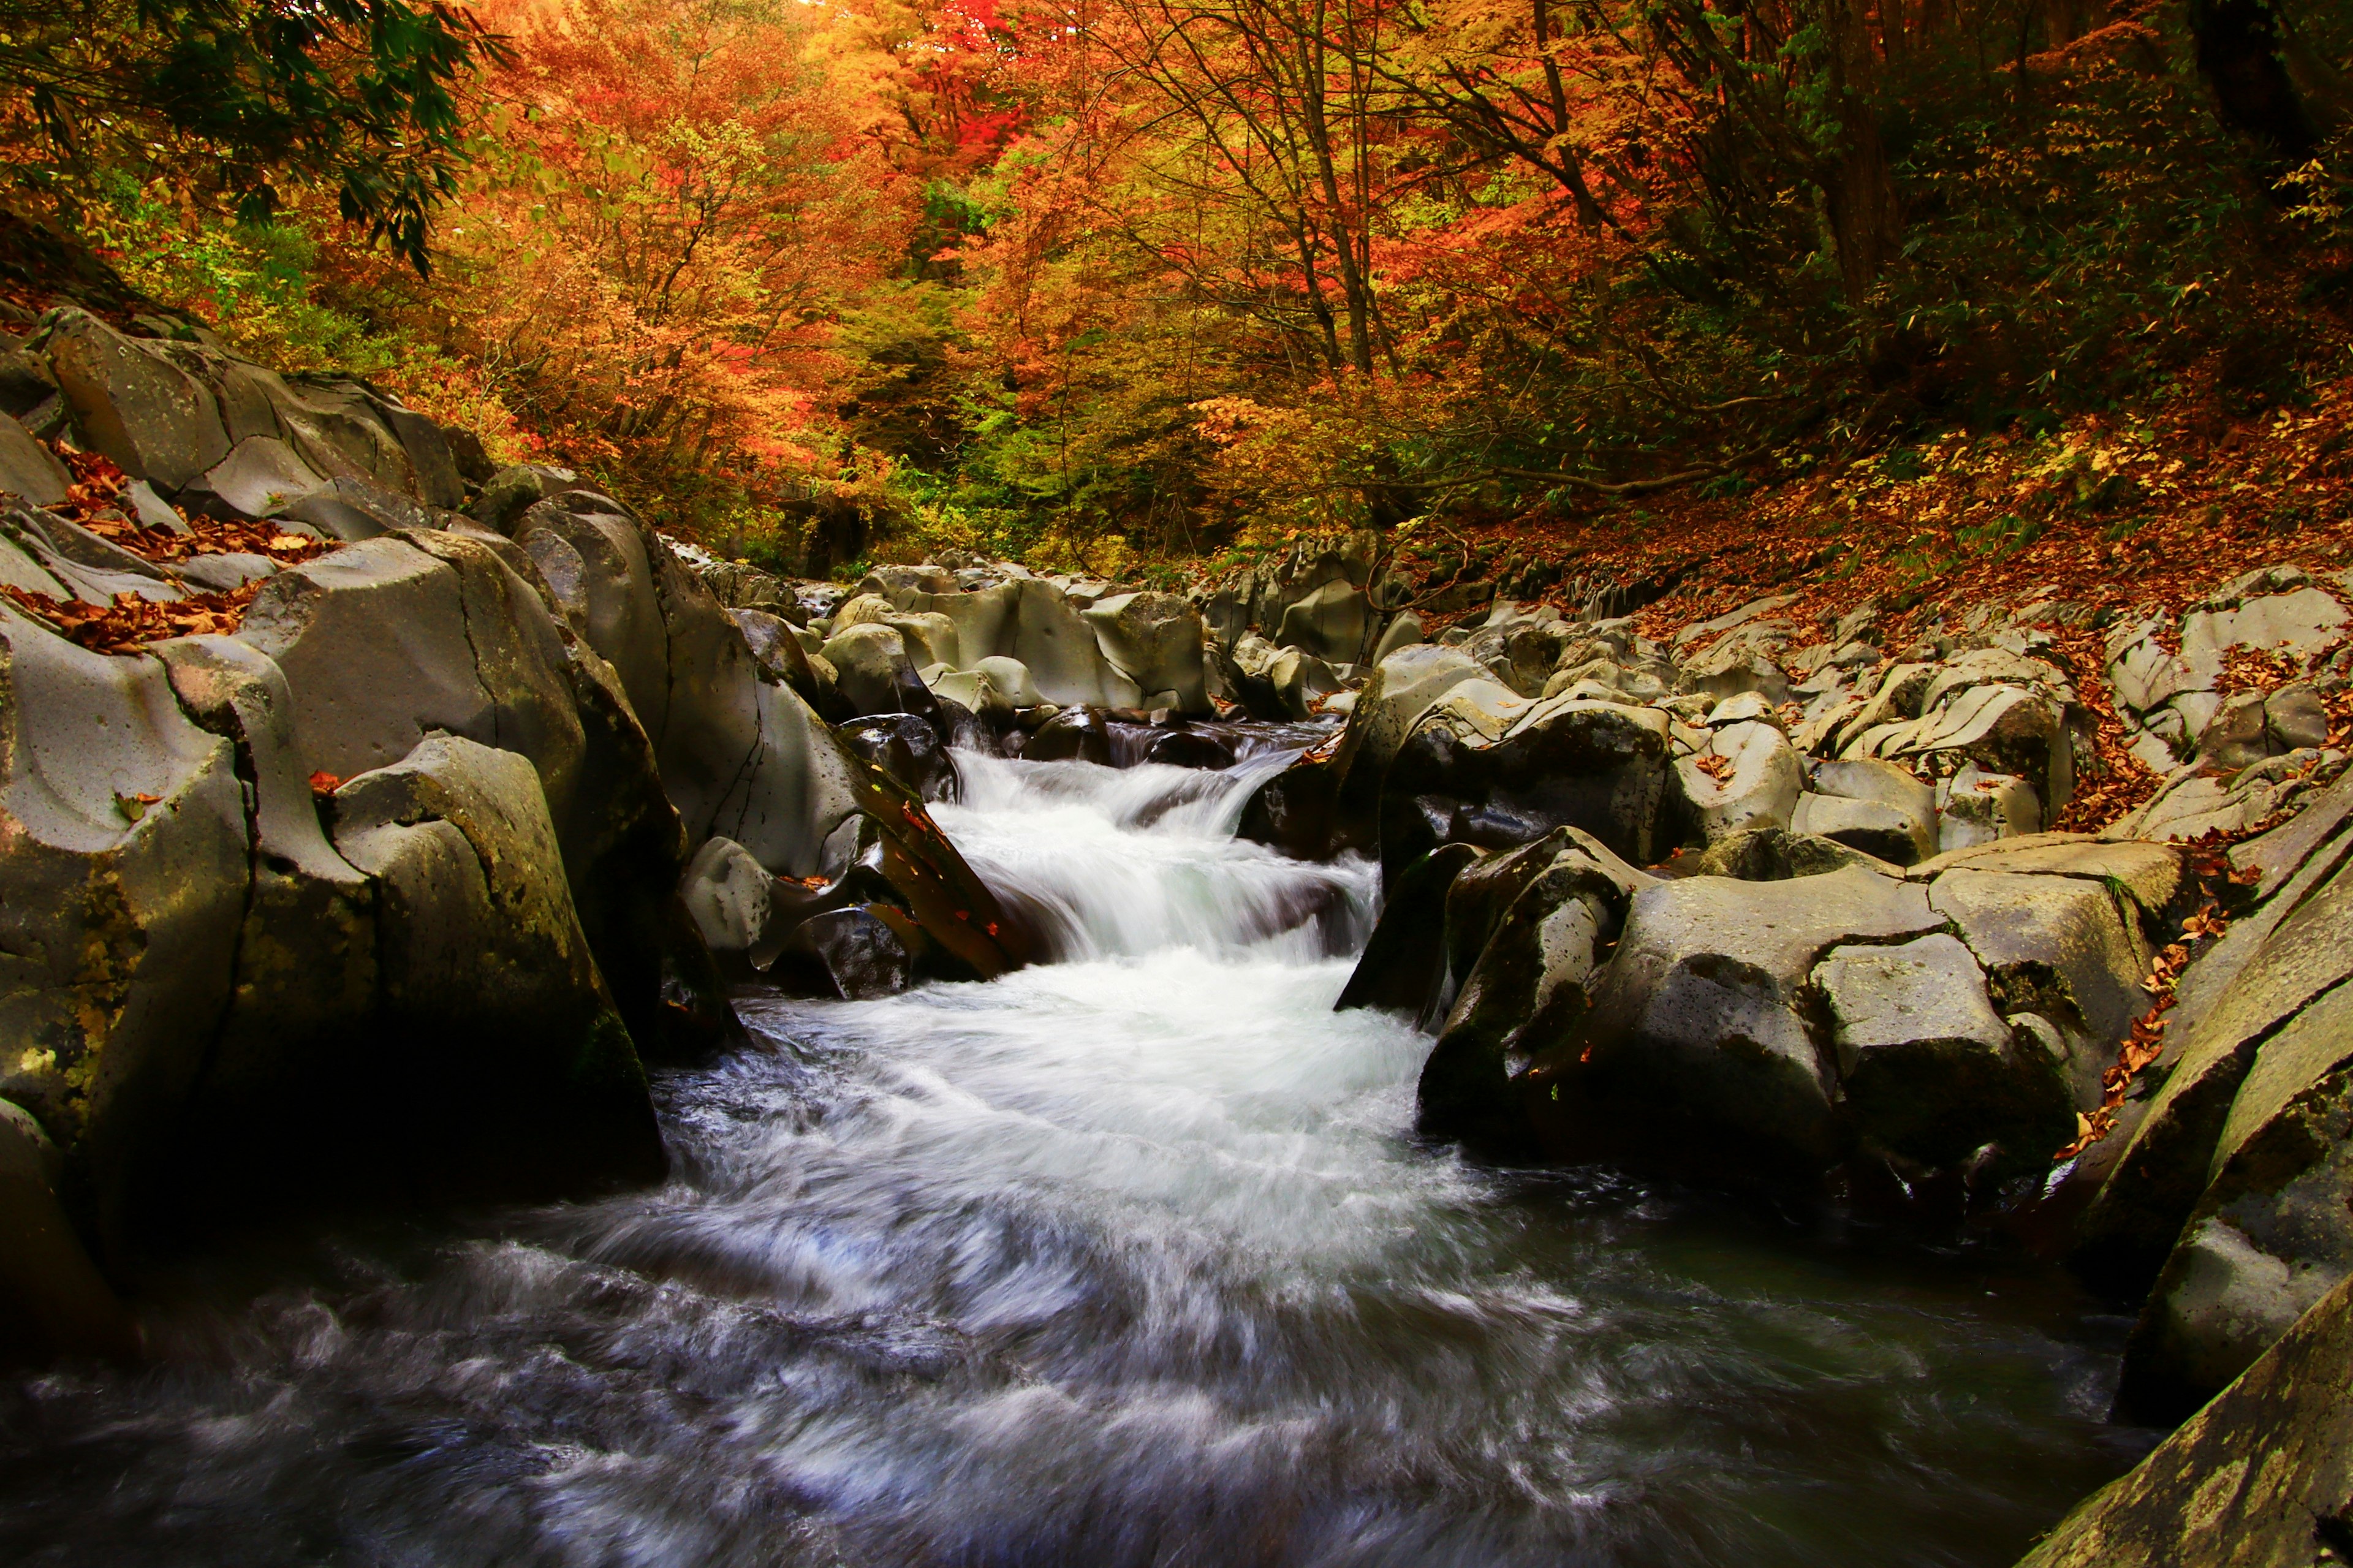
[1189,749]
[1698,1051]
[1501,774]
[1929,1070]
[1527,985]
[2257,1480]
[53,1300]
[2273,1231]
[726,894]
[910,749]
[854,954]
[1404,965]
[487,981]
[1747,776]
[126,859]
[1074,734]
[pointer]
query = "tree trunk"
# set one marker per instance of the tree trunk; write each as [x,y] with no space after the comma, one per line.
[2239,53]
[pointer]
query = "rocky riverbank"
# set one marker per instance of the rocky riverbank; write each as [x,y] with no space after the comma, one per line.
[376,815]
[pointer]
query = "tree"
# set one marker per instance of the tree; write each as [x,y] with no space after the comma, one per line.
[360,95]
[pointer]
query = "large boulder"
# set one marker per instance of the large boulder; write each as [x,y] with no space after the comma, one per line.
[1931,1073]
[1700,1049]
[497,1060]
[1155,639]
[153,419]
[1330,622]
[2063,948]
[53,1300]
[2266,970]
[1527,985]
[2273,1230]
[2261,1478]
[1404,967]
[1747,776]
[1499,773]
[126,859]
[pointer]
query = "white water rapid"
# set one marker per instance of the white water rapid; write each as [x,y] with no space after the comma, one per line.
[1127,1258]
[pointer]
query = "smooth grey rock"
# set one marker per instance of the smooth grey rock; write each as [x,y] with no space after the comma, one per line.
[2058,947]
[1760,791]
[484,969]
[1698,1039]
[512,492]
[2273,1230]
[150,510]
[1064,660]
[873,667]
[1156,640]
[153,419]
[1979,807]
[1301,680]
[1929,1070]
[29,470]
[225,573]
[95,569]
[854,954]
[1404,630]
[726,893]
[53,1300]
[1878,829]
[261,476]
[1330,622]
[1775,855]
[2163,1169]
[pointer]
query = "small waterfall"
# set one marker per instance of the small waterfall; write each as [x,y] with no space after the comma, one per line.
[1126,1260]
[1112,862]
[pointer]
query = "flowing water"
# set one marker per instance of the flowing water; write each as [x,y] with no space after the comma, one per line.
[1130,1258]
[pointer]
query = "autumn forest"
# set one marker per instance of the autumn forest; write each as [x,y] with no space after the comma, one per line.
[1121,281]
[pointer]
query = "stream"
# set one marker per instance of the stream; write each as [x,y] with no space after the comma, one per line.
[1131,1257]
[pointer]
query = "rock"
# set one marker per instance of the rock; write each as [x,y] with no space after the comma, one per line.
[29,470]
[2060,948]
[2294,719]
[1879,830]
[1330,624]
[53,1300]
[873,672]
[225,573]
[1058,648]
[1930,1072]
[1074,734]
[2149,874]
[910,749]
[1404,630]
[94,568]
[780,655]
[1754,783]
[1749,706]
[512,492]
[1977,807]
[1775,855]
[854,954]
[726,894]
[1189,749]
[1156,640]
[1404,966]
[1526,987]
[2280,966]
[154,420]
[509,1069]
[1698,1050]
[1730,668]
[1301,680]
[125,857]
[1500,773]
[2257,1480]
[260,477]
[2271,1232]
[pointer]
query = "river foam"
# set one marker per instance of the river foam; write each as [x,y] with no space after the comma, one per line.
[1131,1257]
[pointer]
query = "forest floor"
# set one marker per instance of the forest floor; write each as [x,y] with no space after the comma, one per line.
[2110,517]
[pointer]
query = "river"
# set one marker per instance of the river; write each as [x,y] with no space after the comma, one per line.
[1128,1258]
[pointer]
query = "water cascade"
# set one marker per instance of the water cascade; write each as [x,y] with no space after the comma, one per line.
[1129,1257]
